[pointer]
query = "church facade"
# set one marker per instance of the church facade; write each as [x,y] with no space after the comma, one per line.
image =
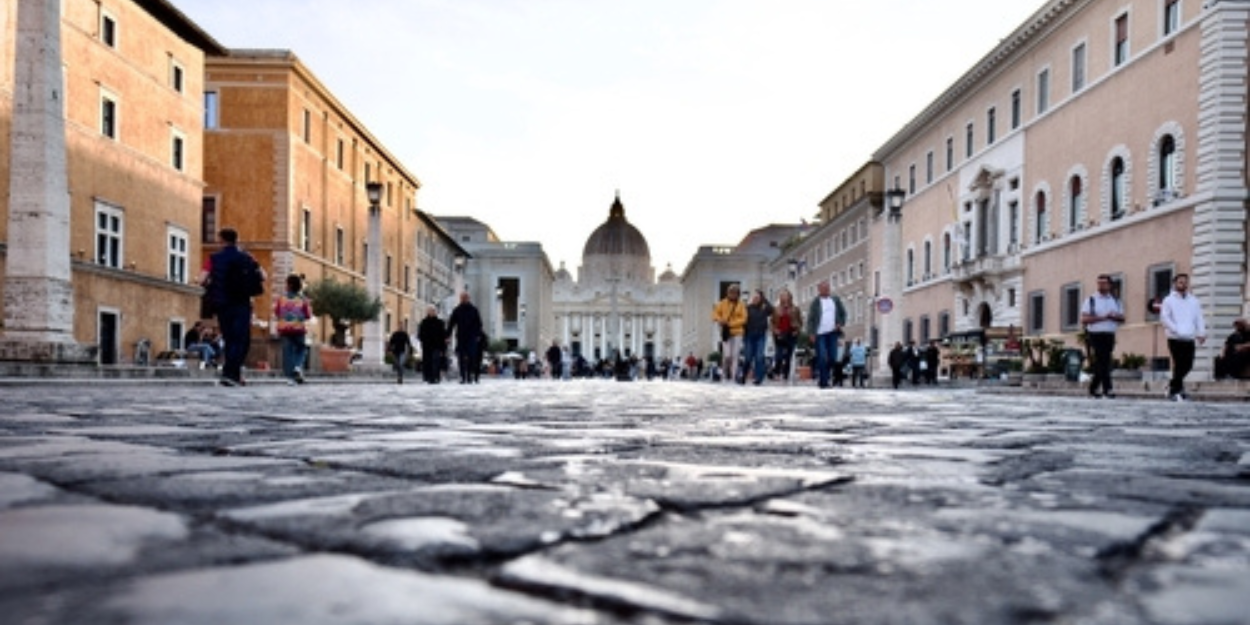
[616,302]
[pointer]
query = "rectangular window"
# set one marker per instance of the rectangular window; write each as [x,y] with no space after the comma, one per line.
[1121,40]
[108,235]
[338,155]
[928,168]
[108,29]
[991,123]
[386,275]
[1037,312]
[208,219]
[306,132]
[925,329]
[968,140]
[944,324]
[1043,91]
[1011,298]
[407,278]
[338,245]
[1078,68]
[177,330]
[364,254]
[305,230]
[1171,17]
[176,75]
[1071,302]
[950,154]
[911,179]
[177,238]
[177,151]
[1159,285]
[1013,234]
[210,110]
[108,115]
[1015,109]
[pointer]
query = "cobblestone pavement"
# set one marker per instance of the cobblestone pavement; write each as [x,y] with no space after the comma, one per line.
[604,502]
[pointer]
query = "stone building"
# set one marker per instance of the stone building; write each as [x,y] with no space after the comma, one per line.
[287,164]
[616,303]
[122,147]
[1098,137]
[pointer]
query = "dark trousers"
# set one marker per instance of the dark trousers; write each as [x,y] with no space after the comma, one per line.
[1102,344]
[826,356]
[431,363]
[235,321]
[785,351]
[1182,363]
[470,362]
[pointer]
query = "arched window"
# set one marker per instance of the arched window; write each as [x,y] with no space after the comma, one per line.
[1039,229]
[928,259]
[1167,164]
[946,253]
[1119,190]
[1075,201]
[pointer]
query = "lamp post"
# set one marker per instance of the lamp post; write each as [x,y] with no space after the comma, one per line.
[372,352]
[498,311]
[521,326]
[891,279]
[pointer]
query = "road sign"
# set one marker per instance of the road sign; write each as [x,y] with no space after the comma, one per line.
[885,305]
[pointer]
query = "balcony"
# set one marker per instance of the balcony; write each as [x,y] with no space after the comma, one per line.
[986,268]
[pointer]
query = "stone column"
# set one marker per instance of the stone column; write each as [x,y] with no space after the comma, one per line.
[891,326]
[372,351]
[38,288]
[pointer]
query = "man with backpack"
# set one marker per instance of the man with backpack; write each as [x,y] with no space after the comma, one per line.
[1102,315]
[232,278]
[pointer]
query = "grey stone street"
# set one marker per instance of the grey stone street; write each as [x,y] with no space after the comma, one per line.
[604,502]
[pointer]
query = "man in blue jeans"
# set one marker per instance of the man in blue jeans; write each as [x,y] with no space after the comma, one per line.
[234,306]
[825,318]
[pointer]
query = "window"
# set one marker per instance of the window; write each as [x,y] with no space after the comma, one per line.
[1037,312]
[1120,53]
[306,132]
[108,235]
[364,254]
[911,267]
[305,230]
[944,324]
[386,275]
[108,115]
[990,122]
[108,29]
[1167,163]
[928,168]
[1015,109]
[176,75]
[908,333]
[177,270]
[1039,226]
[1078,67]
[946,252]
[338,155]
[210,110]
[950,154]
[925,329]
[1171,17]
[1071,302]
[968,140]
[1043,91]
[208,219]
[1011,298]
[1119,189]
[177,150]
[407,278]
[911,179]
[1013,232]
[177,330]
[338,245]
[1076,199]
[1158,287]
[928,259]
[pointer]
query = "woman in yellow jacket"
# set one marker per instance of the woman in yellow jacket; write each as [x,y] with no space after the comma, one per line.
[731,314]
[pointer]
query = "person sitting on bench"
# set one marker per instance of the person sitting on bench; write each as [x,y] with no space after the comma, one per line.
[1236,356]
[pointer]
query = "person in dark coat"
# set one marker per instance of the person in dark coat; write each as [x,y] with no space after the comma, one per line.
[432,334]
[897,360]
[555,360]
[466,326]
[232,303]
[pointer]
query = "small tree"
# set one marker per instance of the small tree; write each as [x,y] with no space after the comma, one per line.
[345,304]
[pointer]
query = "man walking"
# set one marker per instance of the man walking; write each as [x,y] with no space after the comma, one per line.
[230,277]
[466,325]
[1102,316]
[1182,317]
[432,334]
[825,318]
[399,345]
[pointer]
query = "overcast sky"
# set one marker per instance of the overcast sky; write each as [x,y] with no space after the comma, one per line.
[712,117]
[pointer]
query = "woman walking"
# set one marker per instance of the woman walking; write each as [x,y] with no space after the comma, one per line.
[292,311]
[787,319]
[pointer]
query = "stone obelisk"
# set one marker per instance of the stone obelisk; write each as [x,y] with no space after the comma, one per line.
[38,292]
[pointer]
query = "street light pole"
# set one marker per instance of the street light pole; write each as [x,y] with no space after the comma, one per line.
[892,278]
[372,352]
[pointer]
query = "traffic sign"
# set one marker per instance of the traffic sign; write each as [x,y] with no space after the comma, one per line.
[885,305]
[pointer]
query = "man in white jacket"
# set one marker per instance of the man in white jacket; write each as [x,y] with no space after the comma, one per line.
[1182,317]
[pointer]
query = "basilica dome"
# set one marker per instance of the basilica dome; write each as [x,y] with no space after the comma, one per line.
[617,237]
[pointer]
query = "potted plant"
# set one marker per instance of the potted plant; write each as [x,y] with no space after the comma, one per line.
[345,304]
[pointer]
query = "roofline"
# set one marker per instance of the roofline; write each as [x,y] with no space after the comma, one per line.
[183,26]
[432,222]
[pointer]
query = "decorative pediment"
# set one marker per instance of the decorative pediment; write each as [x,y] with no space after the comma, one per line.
[985,178]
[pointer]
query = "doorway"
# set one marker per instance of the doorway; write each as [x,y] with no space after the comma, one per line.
[108,325]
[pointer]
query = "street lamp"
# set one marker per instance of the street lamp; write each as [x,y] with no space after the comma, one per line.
[372,348]
[894,202]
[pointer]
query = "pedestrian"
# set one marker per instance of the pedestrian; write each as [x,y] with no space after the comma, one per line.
[787,321]
[897,361]
[914,362]
[555,360]
[932,358]
[399,346]
[230,275]
[432,335]
[1182,317]
[1102,315]
[291,312]
[755,335]
[731,314]
[1236,355]
[465,325]
[859,364]
[825,318]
